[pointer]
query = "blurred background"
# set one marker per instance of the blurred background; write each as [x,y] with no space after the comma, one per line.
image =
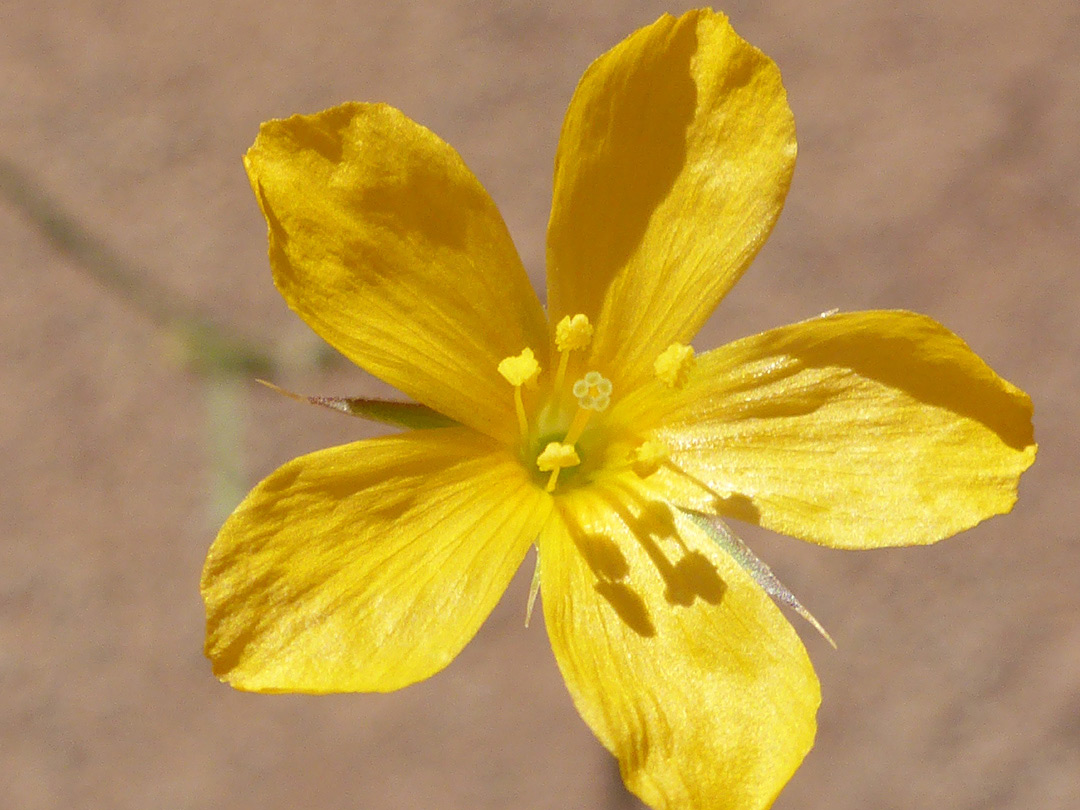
[939,171]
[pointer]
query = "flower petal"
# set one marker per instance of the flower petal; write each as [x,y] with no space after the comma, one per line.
[384,242]
[673,164]
[676,659]
[369,566]
[859,430]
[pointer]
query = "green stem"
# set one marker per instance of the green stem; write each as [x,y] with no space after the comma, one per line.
[208,347]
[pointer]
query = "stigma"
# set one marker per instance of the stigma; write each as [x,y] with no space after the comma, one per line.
[593,392]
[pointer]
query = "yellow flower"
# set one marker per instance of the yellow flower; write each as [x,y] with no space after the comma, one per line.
[591,430]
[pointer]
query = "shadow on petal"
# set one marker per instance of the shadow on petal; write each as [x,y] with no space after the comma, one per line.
[641,158]
[608,563]
[603,556]
[629,605]
[918,356]
[692,576]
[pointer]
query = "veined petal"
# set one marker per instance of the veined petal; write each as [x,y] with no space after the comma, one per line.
[676,659]
[369,566]
[673,164]
[384,242]
[858,430]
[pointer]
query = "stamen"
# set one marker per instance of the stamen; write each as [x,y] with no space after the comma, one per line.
[577,427]
[519,370]
[571,334]
[647,458]
[556,456]
[674,365]
[523,420]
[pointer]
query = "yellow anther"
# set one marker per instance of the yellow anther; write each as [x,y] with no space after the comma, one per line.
[573,333]
[556,456]
[674,365]
[593,391]
[520,370]
[647,458]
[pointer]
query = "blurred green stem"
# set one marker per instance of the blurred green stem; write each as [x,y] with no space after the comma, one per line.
[220,356]
[208,347]
[229,484]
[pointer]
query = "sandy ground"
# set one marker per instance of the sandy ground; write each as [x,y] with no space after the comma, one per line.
[939,168]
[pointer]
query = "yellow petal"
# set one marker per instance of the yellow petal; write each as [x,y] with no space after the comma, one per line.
[369,566]
[677,660]
[858,430]
[388,246]
[673,164]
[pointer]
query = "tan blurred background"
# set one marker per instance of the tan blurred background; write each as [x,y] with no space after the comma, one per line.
[939,171]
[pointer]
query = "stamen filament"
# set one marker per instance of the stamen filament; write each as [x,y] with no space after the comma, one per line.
[560,375]
[556,456]
[552,480]
[577,427]
[519,370]
[523,421]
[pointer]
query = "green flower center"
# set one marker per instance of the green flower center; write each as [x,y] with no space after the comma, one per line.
[568,443]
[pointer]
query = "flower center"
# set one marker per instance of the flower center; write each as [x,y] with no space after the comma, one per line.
[593,393]
[562,437]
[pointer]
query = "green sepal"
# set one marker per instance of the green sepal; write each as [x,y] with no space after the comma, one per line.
[410,415]
[753,565]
